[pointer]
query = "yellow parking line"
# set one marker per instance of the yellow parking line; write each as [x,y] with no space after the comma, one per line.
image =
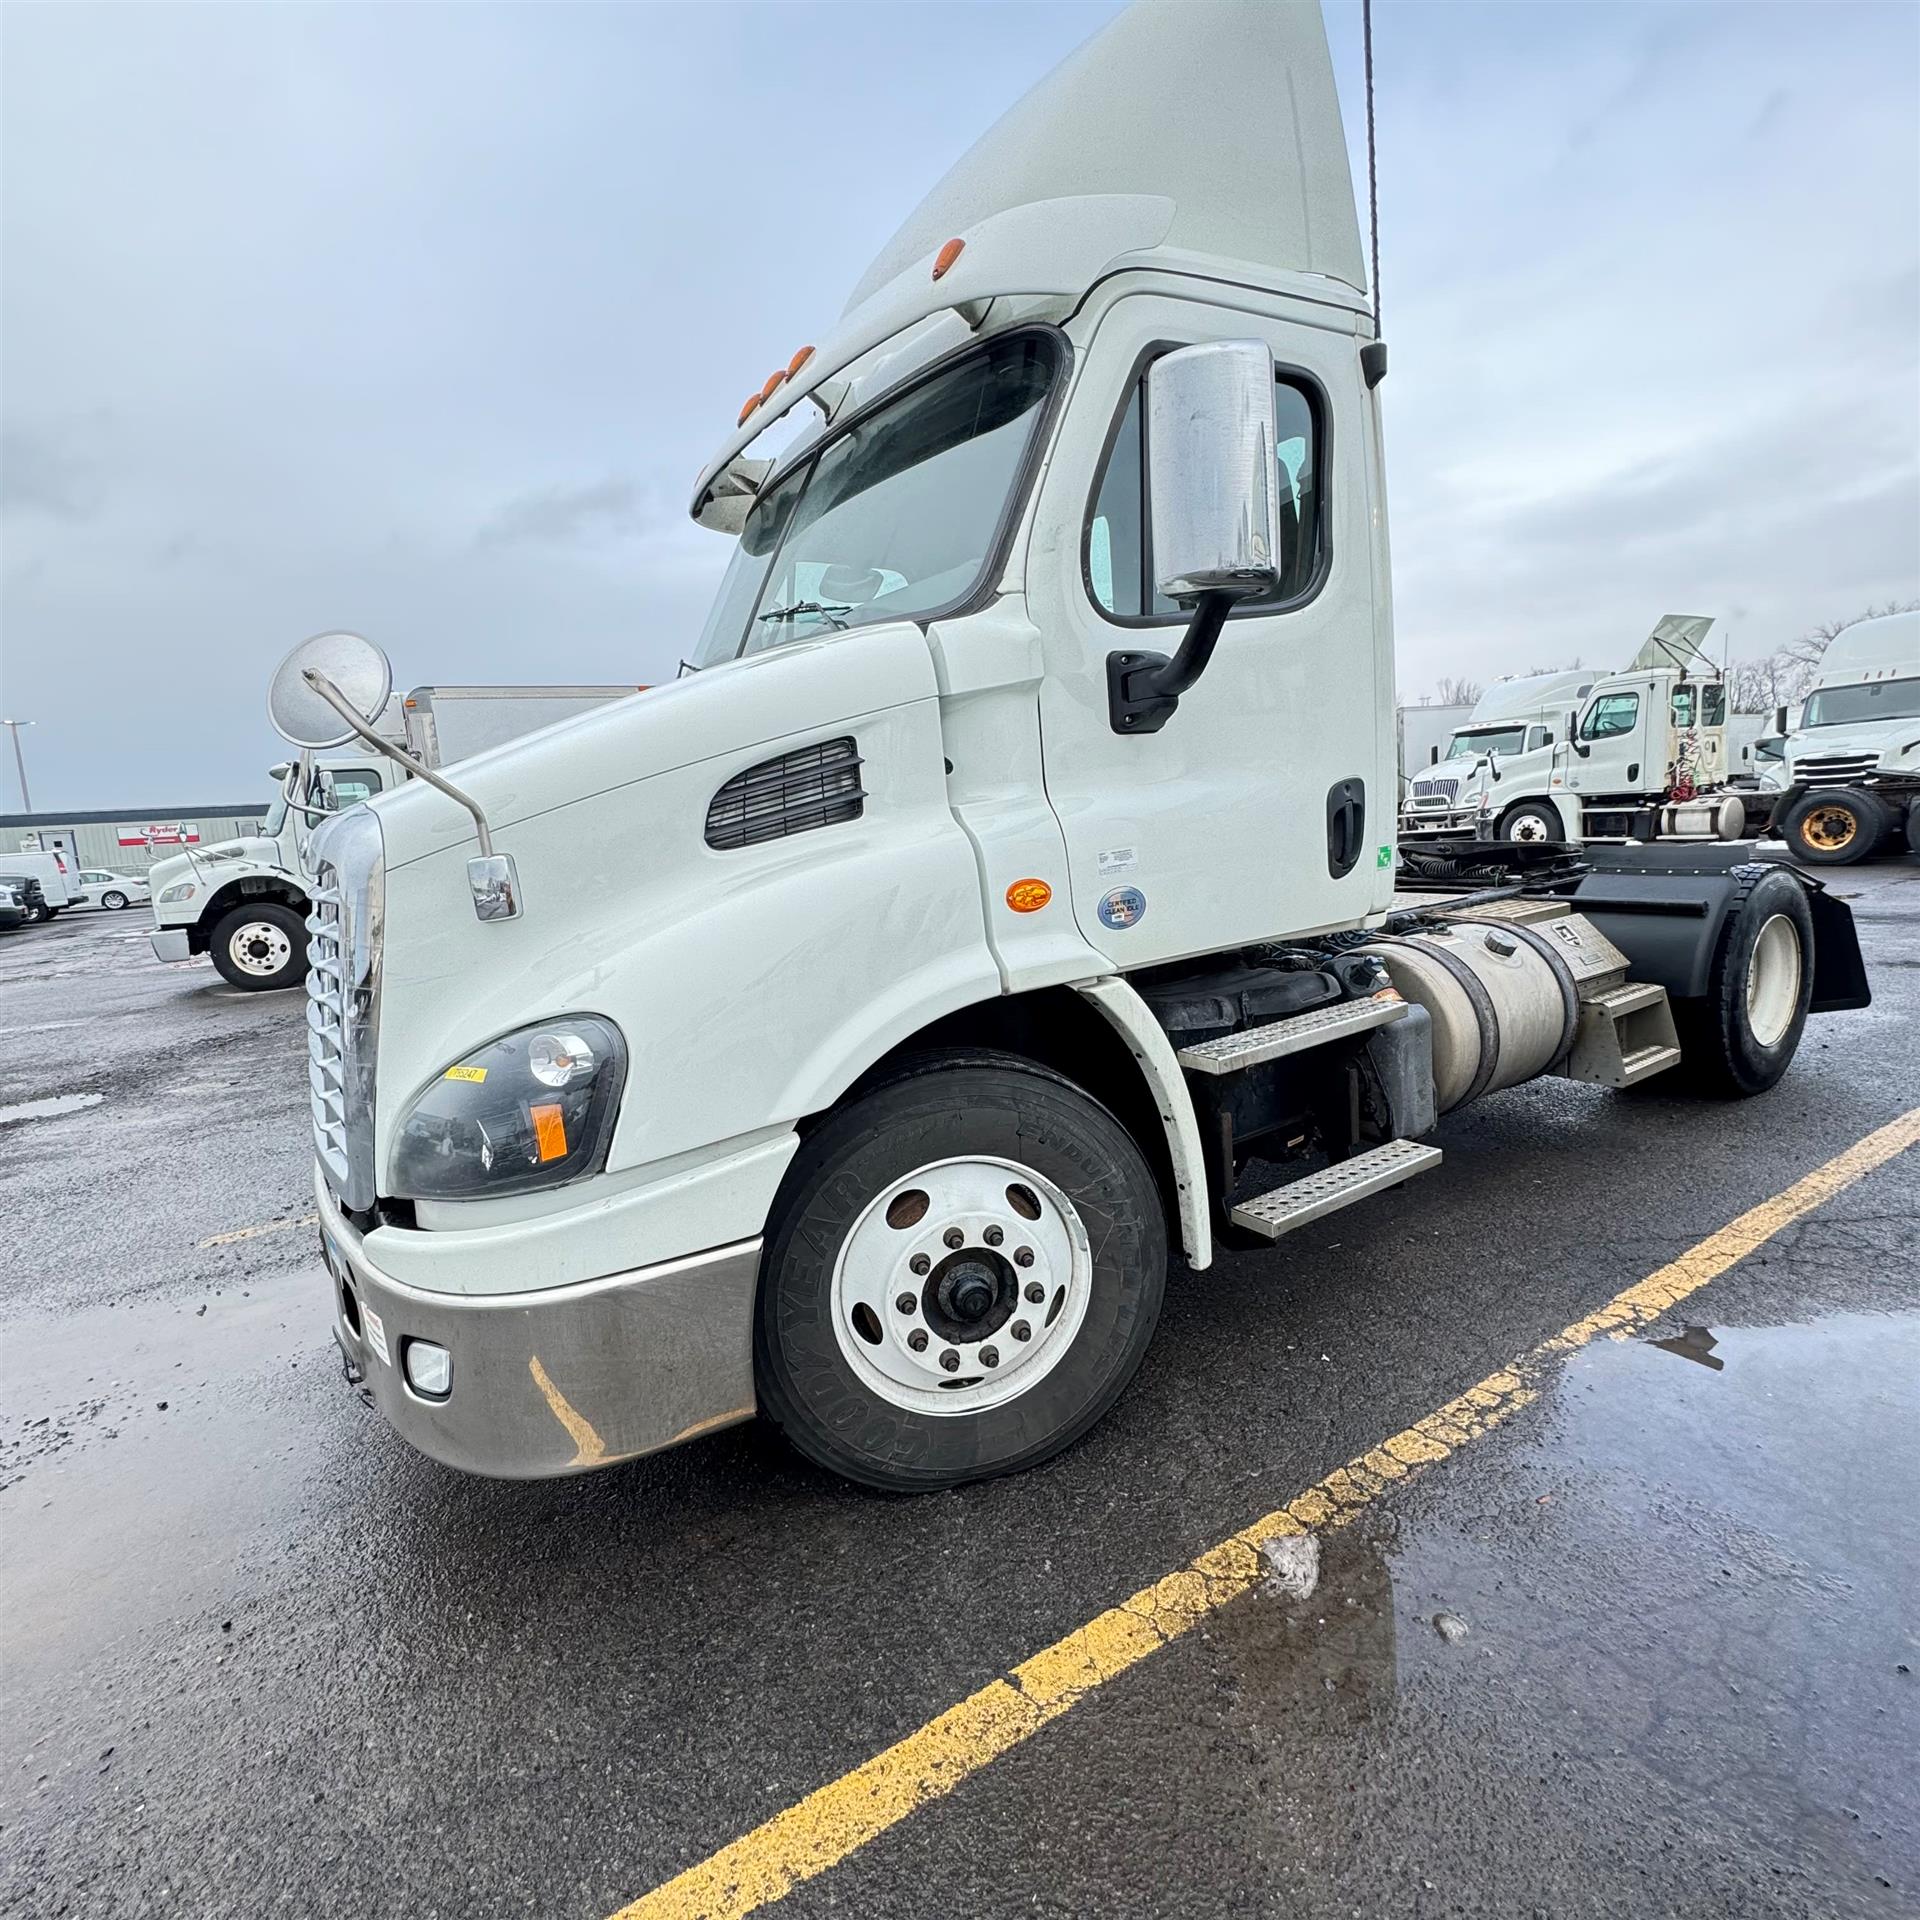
[841,1817]
[253,1233]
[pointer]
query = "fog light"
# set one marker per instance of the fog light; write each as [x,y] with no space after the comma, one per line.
[429,1369]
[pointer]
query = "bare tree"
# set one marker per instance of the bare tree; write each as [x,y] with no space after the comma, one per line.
[1783,676]
[1458,691]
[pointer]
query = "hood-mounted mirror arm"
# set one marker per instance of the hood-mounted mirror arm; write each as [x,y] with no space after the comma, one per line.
[492,879]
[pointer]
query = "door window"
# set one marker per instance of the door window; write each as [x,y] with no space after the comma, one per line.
[1610,716]
[351,785]
[1683,706]
[1119,554]
[1713,704]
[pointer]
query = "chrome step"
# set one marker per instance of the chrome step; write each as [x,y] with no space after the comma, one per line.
[1301,1201]
[1627,998]
[1626,1034]
[1644,1062]
[1254,1046]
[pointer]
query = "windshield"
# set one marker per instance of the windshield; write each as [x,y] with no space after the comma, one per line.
[1488,739]
[1771,748]
[1874,700]
[896,518]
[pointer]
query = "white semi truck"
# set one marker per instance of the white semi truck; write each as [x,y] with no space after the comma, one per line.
[245,902]
[852,1029]
[1518,714]
[1851,783]
[1640,756]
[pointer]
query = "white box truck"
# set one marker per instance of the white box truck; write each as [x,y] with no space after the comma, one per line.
[1852,776]
[245,902]
[852,1029]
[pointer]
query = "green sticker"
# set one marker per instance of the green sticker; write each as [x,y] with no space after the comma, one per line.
[1386,857]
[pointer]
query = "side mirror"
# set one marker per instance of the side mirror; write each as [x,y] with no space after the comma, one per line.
[355,669]
[1433,756]
[1779,719]
[1537,737]
[1573,735]
[278,772]
[1211,482]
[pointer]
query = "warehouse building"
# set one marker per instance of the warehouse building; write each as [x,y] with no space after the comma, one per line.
[130,839]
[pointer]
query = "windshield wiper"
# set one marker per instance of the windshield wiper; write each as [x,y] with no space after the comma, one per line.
[824,609]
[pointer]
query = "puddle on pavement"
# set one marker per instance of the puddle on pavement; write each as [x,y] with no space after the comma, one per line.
[1669,1600]
[55,1103]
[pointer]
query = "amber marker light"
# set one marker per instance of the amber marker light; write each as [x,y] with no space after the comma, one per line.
[1028,896]
[549,1132]
[753,400]
[946,257]
[798,361]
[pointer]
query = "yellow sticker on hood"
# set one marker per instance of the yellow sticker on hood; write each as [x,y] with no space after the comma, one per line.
[475,1074]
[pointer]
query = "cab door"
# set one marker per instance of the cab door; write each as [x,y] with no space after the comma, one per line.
[1264,806]
[1623,731]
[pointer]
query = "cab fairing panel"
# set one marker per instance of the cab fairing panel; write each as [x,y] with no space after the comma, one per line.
[752,985]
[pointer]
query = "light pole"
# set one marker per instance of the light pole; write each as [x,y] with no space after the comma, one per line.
[19,761]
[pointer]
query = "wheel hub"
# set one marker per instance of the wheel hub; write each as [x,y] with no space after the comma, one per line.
[260,948]
[1829,828]
[961,1285]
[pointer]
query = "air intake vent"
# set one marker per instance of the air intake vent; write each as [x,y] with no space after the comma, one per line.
[816,786]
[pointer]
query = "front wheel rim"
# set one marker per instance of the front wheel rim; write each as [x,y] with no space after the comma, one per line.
[1528,828]
[260,949]
[1830,829]
[114,900]
[961,1286]
[1773,980]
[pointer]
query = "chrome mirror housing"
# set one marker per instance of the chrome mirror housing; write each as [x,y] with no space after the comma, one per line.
[1211,472]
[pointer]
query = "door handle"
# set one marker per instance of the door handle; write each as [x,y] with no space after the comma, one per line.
[1346,826]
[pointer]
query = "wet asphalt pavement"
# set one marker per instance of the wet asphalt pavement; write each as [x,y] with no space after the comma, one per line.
[261,1659]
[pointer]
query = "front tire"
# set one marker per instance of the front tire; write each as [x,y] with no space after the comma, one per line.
[965,1268]
[1741,1035]
[261,948]
[1834,827]
[113,899]
[1533,823]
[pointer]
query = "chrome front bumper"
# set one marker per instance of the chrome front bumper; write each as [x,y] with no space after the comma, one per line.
[559,1380]
[170,943]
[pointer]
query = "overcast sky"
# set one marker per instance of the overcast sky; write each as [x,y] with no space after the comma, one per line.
[420,319]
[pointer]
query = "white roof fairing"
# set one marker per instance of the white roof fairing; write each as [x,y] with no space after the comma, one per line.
[1206,128]
[1226,107]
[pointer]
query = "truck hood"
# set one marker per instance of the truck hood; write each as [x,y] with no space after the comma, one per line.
[1896,743]
[189,866]
[711,715]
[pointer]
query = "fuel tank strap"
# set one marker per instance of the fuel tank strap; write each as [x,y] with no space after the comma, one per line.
[1477,998]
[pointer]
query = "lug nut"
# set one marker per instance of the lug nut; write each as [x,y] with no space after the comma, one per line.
[1036,1292]
[949,1362]
[954,1237]
[917,1339]
[989,1356]
[907,1302]
[1020,1330]
[1023,1256]
[919,1263]
[993,1236]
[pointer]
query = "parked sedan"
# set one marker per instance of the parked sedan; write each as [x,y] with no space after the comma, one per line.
[116,890]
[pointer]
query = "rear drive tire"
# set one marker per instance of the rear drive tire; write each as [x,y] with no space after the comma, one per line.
[1834,826]
[1741,1035]
[261,948]
[965,1267]
[113,899]
[1533,822]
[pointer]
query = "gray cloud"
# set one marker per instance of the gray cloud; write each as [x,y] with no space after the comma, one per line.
[40,476]
[567,516]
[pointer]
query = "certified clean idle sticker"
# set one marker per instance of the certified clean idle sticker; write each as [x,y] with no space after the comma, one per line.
[1123,907]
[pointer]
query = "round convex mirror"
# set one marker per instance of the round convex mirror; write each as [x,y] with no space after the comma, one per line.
[358,671]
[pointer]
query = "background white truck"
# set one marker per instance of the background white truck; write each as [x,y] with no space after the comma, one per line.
[245,902]
[1852,777]
[850,1029]
[1641,757]
[1517,714]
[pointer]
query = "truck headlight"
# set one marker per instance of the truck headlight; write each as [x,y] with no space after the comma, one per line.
[184,891]
[533,1109]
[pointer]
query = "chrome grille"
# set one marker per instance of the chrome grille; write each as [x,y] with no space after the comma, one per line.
[326,1026]
[1835,766]
[343,999]
[1434,793]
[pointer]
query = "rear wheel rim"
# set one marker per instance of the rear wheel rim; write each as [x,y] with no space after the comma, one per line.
[1773,980]
[260,949]
[961,1286]
[1831,829]
[113,900]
